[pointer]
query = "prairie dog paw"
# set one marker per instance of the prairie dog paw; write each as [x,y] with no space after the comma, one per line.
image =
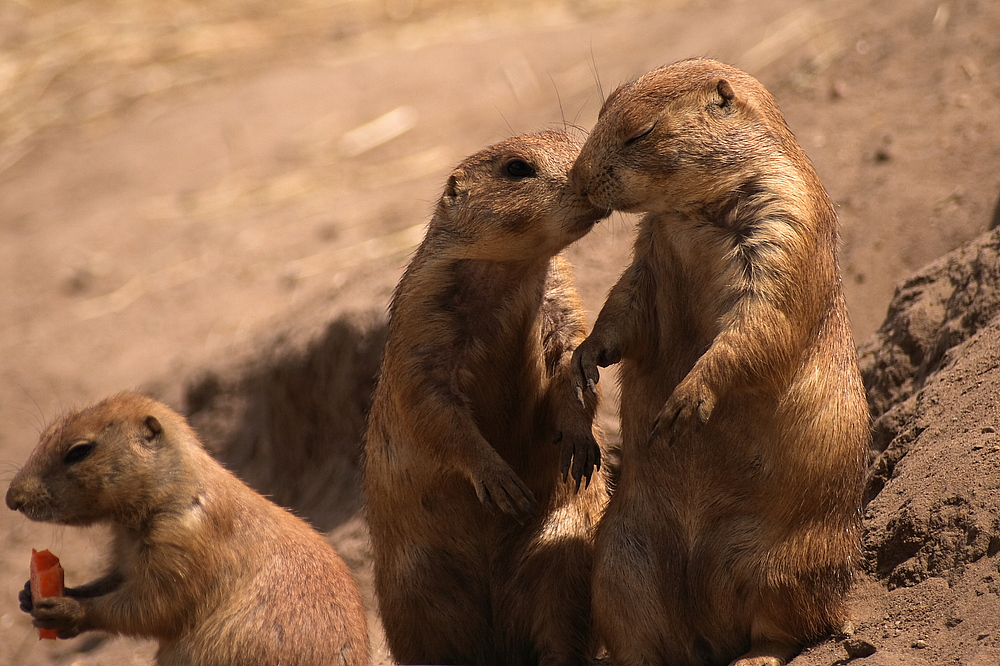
[501,488]
[688,407]
[586,359]
[64,614]
[24,598]
[581,455]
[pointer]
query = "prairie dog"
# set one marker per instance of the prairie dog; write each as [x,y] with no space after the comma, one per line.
[482,553]
[734,530]
[200,562]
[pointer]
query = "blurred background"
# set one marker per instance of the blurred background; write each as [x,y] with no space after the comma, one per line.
[180,182]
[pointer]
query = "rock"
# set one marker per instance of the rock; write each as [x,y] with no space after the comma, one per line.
[858,647]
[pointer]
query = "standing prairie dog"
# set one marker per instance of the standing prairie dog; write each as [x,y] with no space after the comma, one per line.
[200,562]
[482,555]
[734,530]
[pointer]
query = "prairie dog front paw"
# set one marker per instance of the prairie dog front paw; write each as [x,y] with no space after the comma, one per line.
[688,407]
[64,614]
[499,487]
[586,359]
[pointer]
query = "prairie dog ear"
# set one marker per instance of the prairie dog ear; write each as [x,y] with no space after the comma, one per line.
[726,94]
[153,428]
[456,184]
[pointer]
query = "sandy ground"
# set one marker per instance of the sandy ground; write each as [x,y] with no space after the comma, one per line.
[175,184]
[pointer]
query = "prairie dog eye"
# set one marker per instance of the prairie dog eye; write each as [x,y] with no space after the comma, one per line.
[641,135]
[518,169]
[78,452]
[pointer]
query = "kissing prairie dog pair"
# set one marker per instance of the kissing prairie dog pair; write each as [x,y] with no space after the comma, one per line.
[482,554]
[734,528]
[200,562]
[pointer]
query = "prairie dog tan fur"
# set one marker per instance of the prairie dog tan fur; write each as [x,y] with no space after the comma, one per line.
[200,562]
[482,553]
[733,533]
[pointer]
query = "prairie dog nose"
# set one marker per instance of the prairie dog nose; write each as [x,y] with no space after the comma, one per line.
[15,498]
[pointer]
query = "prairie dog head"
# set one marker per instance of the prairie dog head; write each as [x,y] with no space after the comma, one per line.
[681,135]
[511,201]
[115,461]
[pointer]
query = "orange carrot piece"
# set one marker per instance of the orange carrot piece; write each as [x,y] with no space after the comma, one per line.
[46,581]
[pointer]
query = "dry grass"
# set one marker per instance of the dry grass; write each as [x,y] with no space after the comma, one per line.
[64,64]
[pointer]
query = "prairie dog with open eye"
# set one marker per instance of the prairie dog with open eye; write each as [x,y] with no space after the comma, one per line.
[474,411]
[200,562]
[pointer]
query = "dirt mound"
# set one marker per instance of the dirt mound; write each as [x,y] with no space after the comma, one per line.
[931,313]
[931,375]
[932,521]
